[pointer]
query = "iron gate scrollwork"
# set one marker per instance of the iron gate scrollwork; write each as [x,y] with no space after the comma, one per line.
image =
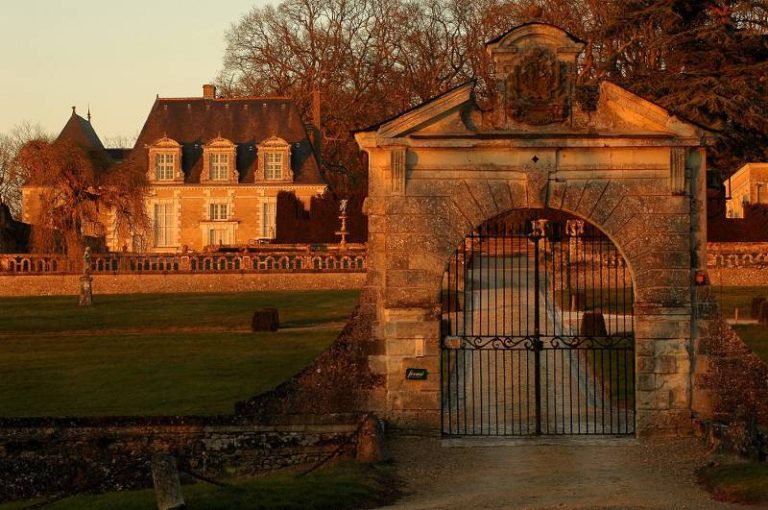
[537,331]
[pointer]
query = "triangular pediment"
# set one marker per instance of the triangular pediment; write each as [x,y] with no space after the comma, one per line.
[442,113]
[617,112]
[622,111]
[538,92]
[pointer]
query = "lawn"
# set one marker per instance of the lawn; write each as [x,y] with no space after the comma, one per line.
[341,487]
[730,298]
[745,483]
[156,354]
[756,337]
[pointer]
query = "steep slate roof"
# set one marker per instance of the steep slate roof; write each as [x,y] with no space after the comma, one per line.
[81,132]
[193,122]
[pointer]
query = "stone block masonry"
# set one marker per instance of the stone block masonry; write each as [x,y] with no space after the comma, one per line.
[60,456]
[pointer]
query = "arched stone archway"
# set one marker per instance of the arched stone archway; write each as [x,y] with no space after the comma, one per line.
[600,153]
[537,330]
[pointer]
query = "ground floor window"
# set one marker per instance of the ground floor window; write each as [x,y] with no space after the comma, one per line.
[220,235]
[269,220]
[163,219]
[216,233]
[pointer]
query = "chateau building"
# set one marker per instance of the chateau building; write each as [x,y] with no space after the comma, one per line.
[214,166]
[748,186]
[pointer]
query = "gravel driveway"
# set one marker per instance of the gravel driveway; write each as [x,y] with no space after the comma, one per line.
[570,473]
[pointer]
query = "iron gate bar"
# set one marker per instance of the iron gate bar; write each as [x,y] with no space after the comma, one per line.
[487,307]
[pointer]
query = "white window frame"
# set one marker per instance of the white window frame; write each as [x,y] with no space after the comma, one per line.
[218,211]
[218,166]
[165,166]
[273,165]
[163,224]
[269,219]
[274,161]
[220,235]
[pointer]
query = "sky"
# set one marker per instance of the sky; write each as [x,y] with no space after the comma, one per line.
[110,55]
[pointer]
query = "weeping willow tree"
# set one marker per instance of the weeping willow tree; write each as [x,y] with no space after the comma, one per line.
[81,192]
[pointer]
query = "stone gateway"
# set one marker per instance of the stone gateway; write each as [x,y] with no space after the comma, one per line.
[549,148]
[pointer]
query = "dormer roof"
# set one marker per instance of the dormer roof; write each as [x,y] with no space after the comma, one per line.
[246,122]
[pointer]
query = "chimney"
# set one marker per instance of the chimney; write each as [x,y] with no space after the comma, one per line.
[209,91]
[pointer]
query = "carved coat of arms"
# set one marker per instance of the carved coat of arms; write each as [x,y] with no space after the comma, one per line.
[537,89]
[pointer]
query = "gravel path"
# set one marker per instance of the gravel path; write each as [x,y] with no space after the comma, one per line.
[578,473]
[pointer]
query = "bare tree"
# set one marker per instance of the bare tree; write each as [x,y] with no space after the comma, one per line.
[369,59]
[705,59]
[121,141]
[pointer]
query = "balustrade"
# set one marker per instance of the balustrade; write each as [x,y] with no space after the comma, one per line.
[737,255]
[349,260]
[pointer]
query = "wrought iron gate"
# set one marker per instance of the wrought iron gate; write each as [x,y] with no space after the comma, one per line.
[537,331]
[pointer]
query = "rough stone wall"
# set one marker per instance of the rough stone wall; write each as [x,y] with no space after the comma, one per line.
[68,285]
[57,456]
[730,389]
[730,381]
[739,277]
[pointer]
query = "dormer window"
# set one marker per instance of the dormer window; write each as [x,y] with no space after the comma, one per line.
[273,166]
[219,161]
[274,163]
[165,161]
[164,166]
[219,167]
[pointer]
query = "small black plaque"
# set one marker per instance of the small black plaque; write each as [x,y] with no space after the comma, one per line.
[416,374]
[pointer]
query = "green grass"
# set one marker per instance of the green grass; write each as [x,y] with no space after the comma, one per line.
[345,486]
[730,298]
[756,337]
[162,311]
[156,354]
[745,483]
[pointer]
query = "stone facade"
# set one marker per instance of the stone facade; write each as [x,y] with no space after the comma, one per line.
[620,162]
[214,169]
[747,186]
